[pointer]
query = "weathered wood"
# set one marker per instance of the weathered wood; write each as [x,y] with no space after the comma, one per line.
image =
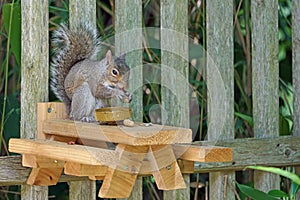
[220,86]
[34,81]
[296,71]
[280,151]
[82,190]
[128,40]
[79,12]
[265,75]
[296,66]
[174,72]
[57,150]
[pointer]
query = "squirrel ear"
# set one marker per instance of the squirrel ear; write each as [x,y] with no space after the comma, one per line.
[108,57]
[122,56]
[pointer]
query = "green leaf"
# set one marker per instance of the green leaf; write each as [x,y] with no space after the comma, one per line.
[294,189]
[278,171]
[254,193]
[278,193]
[15,33]
[247,118]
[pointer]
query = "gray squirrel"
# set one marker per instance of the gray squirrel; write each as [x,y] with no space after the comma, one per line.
[80,81]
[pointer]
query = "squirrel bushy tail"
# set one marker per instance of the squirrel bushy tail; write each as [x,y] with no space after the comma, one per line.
[70,47]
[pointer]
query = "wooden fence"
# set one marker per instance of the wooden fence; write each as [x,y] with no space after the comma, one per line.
[267,148]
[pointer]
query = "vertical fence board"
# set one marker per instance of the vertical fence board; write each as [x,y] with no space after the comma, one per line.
[296,66]
[82,12]
[265,75]
[220,84]
[174,73]
[79,11]
[296,71]
[128,40]
[34,83]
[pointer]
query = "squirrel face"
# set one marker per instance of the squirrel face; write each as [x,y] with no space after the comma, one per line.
[117,71]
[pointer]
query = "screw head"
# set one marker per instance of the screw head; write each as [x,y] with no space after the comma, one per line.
[168,167]
[49,110]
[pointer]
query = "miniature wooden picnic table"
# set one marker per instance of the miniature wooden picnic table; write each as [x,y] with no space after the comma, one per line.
[82,149]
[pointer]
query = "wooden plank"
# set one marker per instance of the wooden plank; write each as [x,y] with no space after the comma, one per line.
[34,81]
[280,151]
[174,72]
[296,66]
[296,71]
[34,161]
[49,110]
[63,151]
[78,169]
[120,178]
[220,86]
[128,40]
[79,12]
[203,153]
[165,169]
[265,75]
[82,12]
[82,190]
[13,173]
[137,135]
[44,176]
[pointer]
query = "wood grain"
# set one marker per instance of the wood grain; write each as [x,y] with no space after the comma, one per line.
[174,72]
[57,150]
[220,85]
[137,135]
[265,79]
[120,179]
[34,74]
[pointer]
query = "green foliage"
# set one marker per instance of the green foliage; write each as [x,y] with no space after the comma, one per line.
[15,33]
[272,194]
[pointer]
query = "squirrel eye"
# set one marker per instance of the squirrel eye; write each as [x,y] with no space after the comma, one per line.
[115,72]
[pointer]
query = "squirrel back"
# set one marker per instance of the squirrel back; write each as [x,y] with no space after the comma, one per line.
[70,47]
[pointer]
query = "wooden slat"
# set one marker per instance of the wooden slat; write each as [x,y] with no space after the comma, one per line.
[203,153]
[174,72]
[80,12]
[165,169]
[137,135]
[296,71]
[57,150]
[220,85]
[44,176]
[13,173]
[296,66]
[265,75]
[120,178]
[34,81]
[280,151]
[34,161]
[78,169]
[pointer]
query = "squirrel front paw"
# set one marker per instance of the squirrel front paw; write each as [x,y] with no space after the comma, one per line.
[126,97]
